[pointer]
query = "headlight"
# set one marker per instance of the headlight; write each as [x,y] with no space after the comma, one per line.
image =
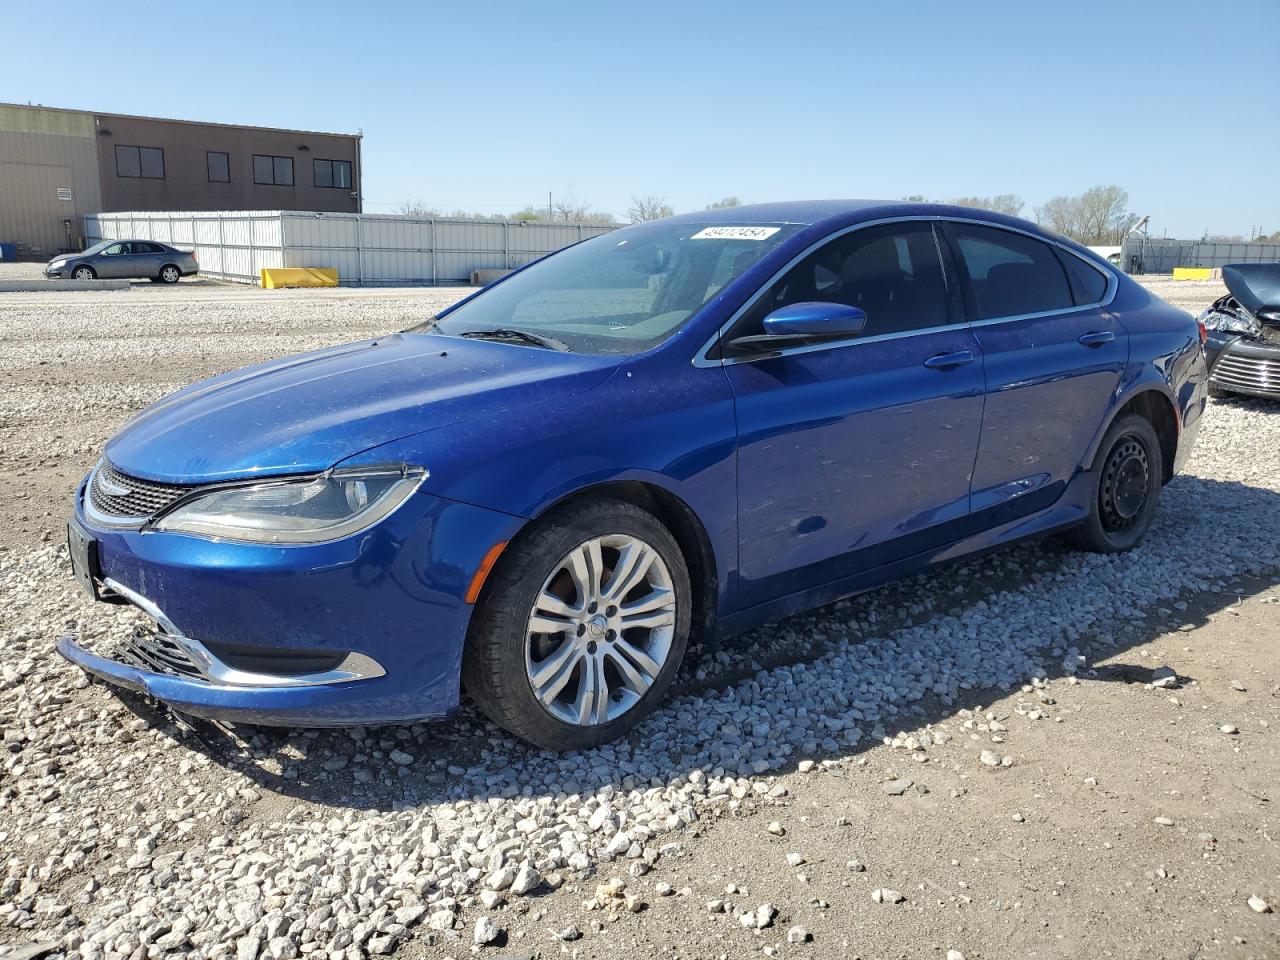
[334,505]
[57,263]
[1225,322]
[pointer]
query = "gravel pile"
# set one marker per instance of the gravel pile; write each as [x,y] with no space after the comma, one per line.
[126,832]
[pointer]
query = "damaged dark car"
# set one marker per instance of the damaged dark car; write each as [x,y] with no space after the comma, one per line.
[1243,348]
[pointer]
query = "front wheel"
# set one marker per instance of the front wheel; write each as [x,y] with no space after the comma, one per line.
[1127,479]
[84,273]
[582,626]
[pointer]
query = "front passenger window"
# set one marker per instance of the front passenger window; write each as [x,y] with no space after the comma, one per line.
[893,273]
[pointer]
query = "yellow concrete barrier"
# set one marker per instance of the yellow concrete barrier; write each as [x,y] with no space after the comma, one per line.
[1194,273]
[276,277]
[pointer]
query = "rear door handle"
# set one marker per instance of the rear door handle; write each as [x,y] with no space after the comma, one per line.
[1097,338]
[945,361]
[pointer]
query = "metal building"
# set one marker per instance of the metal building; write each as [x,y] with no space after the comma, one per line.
[365,249]
[56,166]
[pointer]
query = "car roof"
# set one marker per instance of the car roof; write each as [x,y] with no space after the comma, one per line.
[811,212]
[835,214]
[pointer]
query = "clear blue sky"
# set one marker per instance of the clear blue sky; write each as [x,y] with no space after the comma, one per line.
[490,106]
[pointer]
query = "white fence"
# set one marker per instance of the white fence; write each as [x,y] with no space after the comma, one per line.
[367,249]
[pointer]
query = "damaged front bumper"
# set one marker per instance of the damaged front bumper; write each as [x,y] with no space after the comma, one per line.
[1240,364]
[1243,345]
[364,630]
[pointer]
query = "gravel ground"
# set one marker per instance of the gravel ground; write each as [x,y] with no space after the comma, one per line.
[1038,753]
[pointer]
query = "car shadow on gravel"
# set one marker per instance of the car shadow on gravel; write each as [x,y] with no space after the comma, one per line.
[467,758]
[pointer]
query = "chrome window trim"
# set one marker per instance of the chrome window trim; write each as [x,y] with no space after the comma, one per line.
[701,359]
[355,666]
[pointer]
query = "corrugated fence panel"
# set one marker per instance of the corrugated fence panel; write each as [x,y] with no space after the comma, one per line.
[1161,254]
[363,248]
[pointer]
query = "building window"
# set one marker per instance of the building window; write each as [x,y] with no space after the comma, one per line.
[332,173]
[134,162]
[219,166]
[273,170]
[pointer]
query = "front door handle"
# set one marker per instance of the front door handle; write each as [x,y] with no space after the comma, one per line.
[1097,338]
[946,361]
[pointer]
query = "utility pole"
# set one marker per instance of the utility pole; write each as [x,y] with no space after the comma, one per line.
[550,215]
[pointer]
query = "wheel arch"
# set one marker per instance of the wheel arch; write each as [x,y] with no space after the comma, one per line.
[679,518]
[1157,408]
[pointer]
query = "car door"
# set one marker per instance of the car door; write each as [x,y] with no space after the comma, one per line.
[113,262]
[854,454]
[145,258]
[1053,356]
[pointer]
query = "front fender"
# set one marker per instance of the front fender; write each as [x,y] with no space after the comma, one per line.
[658,420]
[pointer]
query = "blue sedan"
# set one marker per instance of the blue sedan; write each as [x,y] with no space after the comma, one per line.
[685,427]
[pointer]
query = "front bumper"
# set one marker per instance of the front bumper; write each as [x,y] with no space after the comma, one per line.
[56,274]
[1242,365]
[388,603]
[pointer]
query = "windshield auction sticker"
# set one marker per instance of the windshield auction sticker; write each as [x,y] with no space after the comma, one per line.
[735,233]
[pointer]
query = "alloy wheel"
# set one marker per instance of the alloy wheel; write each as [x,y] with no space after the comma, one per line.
[169,274]
[600,630]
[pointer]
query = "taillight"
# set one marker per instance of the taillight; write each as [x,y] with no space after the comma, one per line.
[1204,331]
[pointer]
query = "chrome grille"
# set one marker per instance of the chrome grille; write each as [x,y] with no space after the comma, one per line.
[1259,375]
[143,498]
[158,653]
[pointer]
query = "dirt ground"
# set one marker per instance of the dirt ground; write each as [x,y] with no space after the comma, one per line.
[1132,821]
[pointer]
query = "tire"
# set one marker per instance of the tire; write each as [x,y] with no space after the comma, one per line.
[170,274]
[1127,477]
[84,273]
[536,577]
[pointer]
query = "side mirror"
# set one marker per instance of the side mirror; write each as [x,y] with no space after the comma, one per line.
[801,323]
[820,321]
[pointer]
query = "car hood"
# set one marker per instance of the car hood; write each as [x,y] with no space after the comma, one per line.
[305,413]
[1256,286]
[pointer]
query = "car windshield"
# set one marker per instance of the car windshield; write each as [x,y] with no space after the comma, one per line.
[97,247]
[622,292]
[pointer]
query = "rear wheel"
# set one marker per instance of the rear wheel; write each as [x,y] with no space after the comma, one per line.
[170,274]
[582,627]
[84,273]
[1127,479]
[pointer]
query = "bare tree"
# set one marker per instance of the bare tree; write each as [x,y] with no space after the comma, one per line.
[418,209]
[1008,203]
[1061,215]
[648,207]
[724,203]
[1102,210]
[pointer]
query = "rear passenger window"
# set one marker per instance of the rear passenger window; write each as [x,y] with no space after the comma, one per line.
[1088,283]
[892,272]
[1011,273]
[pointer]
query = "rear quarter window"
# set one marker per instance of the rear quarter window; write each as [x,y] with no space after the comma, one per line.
[1088,283]
[1011,273]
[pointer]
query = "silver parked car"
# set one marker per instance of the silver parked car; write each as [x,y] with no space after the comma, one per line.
[114,259]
